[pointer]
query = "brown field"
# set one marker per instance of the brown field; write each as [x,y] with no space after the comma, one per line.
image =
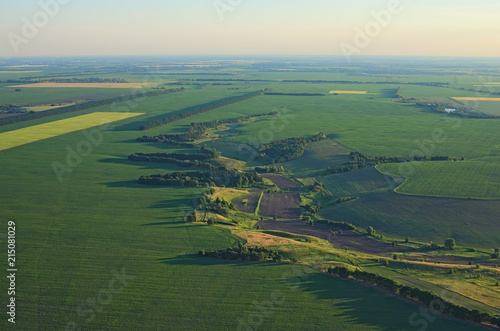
[253,199]
[87,85]
[475,99]
[280,205]
[348,239]
[348,92]
[283,183]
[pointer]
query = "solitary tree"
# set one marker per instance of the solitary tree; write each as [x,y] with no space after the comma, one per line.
[370,231]
[450,243]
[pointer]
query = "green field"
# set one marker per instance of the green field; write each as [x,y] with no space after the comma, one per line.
[476,179]
[425,219]
[76,230]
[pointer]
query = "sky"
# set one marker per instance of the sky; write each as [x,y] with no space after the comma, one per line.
[293,27]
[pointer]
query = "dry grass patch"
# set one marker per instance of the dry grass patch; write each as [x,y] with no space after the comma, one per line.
[262,239]
[87,85]
[489,295]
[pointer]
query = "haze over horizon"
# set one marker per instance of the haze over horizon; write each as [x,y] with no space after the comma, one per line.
[292,27]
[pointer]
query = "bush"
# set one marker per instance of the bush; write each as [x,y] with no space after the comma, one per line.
[450,243]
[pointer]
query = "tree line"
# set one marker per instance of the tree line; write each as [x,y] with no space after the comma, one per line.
[287,149]
[222,178]
[85,105]
[269,170]
[198,110]
[425,297]
[360,161]
[245,253]
[297,94]
[68,80]
[197,130]
[181,160]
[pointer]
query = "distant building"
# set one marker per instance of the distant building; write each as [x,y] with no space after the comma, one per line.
[450,110]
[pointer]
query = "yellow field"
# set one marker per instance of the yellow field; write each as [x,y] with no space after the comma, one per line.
[34,133]
[476,99]
[87,85]
[349,92]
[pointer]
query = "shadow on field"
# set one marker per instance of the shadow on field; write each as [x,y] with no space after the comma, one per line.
[388,93]
[143,165]
[194,259]
[333,136]
[168,223]
[363,304]
[132,184]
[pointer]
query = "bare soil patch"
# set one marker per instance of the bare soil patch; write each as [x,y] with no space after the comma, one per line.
[252,200]
[348,239]
[283,183]
[280,205]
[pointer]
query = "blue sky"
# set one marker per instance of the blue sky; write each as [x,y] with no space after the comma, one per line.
[132,27]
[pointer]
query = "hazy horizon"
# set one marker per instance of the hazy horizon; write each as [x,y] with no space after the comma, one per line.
[223,27]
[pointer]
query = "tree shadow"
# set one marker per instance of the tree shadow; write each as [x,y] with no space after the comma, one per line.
[388,93]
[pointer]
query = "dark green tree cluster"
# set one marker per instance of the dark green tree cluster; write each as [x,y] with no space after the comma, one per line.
[12,109]
[83,106]
[197,110]
[288,149]
[339,224]
[269,170]
[360,161]
[218,206]
[343,200]
[220,178]
[425,297]
[245,253]
[399,92]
